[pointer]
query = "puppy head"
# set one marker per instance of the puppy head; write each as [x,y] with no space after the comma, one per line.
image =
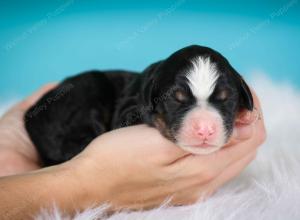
[195,96]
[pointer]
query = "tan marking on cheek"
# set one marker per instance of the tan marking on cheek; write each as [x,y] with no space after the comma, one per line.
[160,124]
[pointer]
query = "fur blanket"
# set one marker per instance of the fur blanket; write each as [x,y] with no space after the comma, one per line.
[268,189]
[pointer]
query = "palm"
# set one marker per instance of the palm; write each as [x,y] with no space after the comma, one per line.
[17,153]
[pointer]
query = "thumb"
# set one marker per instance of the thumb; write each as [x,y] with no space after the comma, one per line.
[242,132]
[31,100]
[244,126]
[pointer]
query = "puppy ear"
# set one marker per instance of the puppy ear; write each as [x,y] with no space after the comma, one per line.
[148,85]
[246,99]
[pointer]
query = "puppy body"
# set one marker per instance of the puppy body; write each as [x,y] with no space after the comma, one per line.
[192,97]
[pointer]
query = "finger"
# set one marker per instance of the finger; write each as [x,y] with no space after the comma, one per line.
[164,149]
[232,171]
[231,154]
[241,132]
[198,191]
[245,123]
[156,147]
[246,117]
[243,128]
[31,100]
[257,105]
[173,155]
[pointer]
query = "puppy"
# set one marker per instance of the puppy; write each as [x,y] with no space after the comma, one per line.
[192,98]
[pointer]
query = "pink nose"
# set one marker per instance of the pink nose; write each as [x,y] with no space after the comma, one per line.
[206,131]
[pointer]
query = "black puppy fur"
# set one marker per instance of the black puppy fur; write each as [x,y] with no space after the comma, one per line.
[66,119]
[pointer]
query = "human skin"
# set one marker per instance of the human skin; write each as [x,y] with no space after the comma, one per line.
[133,167]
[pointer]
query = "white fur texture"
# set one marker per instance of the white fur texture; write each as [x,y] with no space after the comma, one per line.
[202,77]
[268,189]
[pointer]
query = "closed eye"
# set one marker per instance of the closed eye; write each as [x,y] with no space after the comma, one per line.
[181,96]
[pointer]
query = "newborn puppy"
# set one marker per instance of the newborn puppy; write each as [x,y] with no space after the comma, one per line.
[192,98]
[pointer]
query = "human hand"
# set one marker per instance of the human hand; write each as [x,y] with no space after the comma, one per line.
[138,169]
[17,153]
[249,125]
[135,167]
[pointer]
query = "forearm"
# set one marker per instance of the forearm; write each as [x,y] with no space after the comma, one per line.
[23,196]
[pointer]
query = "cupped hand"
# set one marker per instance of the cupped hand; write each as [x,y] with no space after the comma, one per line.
[135,167]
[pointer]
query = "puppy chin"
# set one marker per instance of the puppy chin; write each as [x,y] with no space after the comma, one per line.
[199,150]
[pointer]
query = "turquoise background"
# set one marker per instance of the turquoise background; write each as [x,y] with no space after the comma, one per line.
[42,41]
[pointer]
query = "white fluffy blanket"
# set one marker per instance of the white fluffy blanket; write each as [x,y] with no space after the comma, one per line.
[268,189]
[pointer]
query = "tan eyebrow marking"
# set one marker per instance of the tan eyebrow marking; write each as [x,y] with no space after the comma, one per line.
[180,96]
[223,94]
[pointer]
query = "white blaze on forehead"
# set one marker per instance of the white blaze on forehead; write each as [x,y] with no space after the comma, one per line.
[202,78]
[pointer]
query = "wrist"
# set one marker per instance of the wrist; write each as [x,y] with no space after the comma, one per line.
[41,189]
[82,186]
[69,191]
